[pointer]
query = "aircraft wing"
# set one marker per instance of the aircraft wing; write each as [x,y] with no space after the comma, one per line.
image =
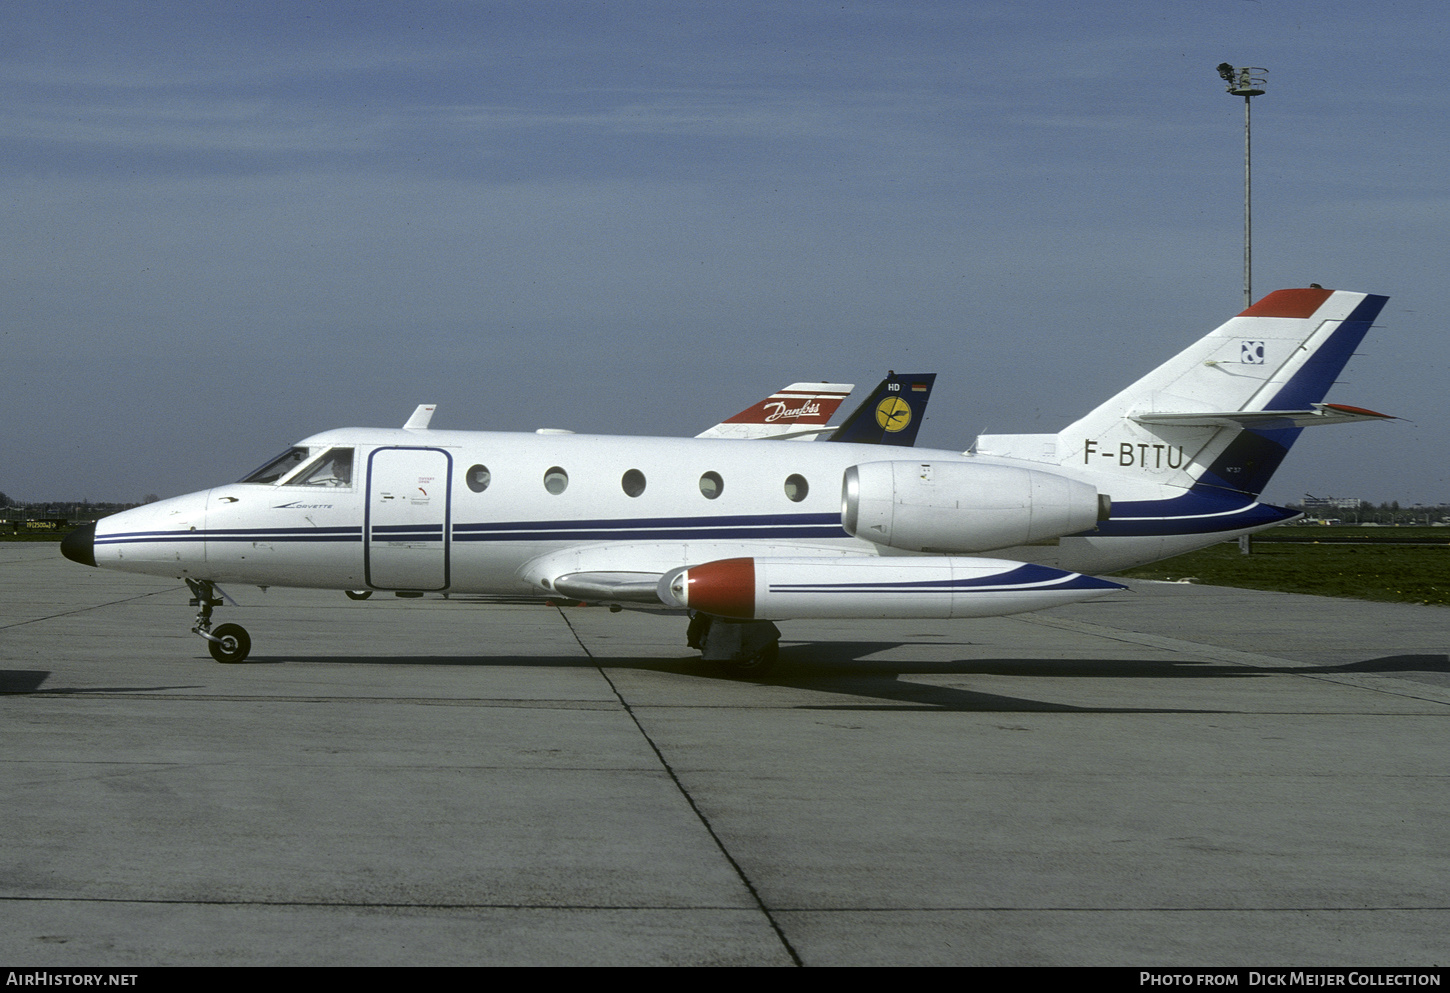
[630,572]
[800,581]
[780,579]
[800,411]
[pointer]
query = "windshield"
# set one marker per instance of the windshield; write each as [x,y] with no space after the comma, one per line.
[333,468]
[278,467]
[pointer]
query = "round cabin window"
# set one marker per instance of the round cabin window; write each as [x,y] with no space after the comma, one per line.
[633,482]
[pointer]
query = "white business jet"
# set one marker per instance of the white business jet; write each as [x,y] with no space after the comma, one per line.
[738,534]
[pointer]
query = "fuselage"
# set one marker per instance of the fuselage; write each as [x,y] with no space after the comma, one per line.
[502,513]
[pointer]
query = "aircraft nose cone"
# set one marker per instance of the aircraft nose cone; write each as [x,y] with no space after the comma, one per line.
[80,545]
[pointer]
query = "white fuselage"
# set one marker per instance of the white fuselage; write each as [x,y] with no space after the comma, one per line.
[413,516]
[409,519]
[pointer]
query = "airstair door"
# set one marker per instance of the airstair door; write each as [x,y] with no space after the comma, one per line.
[408,519]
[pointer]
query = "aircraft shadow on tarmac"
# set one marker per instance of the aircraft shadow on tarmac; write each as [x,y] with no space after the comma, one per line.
[21,682]
[845,668]
[857,680]
[1395,663]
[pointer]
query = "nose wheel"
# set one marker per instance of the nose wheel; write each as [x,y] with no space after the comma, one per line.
[227,642]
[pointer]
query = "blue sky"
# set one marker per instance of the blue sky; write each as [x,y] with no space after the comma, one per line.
[230,225]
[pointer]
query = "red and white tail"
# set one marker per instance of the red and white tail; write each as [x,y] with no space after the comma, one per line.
[800,410]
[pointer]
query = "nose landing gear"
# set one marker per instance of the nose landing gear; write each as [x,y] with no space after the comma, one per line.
[228,642]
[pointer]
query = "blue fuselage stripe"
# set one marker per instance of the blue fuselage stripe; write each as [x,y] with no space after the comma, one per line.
[1195,512]
[686,528]
[641,523]
[1190,514]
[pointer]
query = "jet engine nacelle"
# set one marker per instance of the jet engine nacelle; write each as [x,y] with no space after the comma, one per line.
[963,506]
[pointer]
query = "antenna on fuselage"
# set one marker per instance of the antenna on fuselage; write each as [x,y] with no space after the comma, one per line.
[421,417]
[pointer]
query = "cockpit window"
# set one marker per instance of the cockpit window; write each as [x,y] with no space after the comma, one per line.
[278,467]
[333,468]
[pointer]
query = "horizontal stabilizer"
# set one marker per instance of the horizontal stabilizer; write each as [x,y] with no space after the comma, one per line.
[1319,413]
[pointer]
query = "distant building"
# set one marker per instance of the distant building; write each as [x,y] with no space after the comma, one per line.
[1324,506]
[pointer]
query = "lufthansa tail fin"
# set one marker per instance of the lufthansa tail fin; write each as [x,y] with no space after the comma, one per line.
[891,414]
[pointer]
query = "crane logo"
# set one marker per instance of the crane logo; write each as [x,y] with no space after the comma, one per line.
[893,414]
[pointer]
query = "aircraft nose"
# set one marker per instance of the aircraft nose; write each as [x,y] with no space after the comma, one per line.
[80,545]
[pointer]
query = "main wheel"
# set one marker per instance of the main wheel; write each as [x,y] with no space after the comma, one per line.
[234,643]
[756,664]
[358,594]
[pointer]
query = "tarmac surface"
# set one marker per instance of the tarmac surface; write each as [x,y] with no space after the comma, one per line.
[1175,775]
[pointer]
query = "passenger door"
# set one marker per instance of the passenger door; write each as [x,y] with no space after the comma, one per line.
[408,518]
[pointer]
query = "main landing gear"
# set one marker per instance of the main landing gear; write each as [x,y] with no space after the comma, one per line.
[228,642]
[743,648]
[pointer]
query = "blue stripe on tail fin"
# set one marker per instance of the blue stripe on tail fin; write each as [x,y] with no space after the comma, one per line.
[1311,382]
[1251,458]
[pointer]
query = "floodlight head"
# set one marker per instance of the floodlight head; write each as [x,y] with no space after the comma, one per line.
[1244,81]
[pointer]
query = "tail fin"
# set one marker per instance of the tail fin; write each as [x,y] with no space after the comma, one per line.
[799,411]
[891,414]
[1221,414]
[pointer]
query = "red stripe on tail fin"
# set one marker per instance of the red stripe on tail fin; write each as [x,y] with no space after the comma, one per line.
[1289,303]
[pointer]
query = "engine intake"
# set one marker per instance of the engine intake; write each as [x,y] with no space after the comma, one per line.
[963,506]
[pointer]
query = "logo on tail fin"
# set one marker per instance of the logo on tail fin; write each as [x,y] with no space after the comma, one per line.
[892,414]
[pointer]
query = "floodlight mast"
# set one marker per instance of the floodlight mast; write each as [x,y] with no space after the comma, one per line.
[1247,82]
